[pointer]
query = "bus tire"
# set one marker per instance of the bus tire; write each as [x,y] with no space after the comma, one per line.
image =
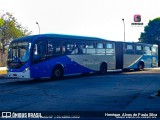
[103,68]
[58,72]
[141,66]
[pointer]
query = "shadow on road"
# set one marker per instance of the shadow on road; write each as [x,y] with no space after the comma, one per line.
[16,81]
[39,81]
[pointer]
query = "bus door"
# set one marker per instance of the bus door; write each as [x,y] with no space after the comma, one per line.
[69,55]
[119,55]
[154,50]
[39,67]
[79,57]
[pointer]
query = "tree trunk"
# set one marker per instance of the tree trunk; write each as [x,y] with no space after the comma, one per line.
[2,55]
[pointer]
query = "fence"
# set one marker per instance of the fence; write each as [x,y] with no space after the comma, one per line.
[3,58]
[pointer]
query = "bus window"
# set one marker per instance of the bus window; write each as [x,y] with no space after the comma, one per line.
[154,50]
[138,50]
[100,48]
[90,45]
[50,49]
[90,48]
[138,47]
[80,48]
[24,53]
[35,50]
[68,48]
[109,46]
[99,45]
[129,47]
[54,48]
[40,51]
[147,50]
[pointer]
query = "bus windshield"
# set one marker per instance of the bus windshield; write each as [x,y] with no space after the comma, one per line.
[19,52]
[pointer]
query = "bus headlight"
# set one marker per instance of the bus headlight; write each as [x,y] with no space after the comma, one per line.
[26,69]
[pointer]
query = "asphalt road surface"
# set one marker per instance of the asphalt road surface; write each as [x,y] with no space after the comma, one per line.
[110,92]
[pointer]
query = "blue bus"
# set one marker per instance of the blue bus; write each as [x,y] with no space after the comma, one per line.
[131,55]
[57,55]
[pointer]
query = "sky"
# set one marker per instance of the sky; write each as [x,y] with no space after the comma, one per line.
[97,18]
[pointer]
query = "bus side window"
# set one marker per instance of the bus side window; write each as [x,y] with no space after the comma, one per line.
[68,48]
[154,50]
[50,49]
[57,48]
[40,51]
[54,48]
[147,50]
[100,48]
[109,48]
[129,49]
[138,49]
[90,48]
[80,48]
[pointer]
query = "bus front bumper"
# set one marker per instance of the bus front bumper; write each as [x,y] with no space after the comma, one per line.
[25,74]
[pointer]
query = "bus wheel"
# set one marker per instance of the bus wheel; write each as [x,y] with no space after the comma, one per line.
[58,73]
[103,68]
[141,66]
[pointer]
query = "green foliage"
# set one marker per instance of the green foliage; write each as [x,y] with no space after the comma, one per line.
[151,32]
[10,29]
[1,22]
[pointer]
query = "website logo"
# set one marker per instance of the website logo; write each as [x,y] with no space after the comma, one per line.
[6,115]
[137,18]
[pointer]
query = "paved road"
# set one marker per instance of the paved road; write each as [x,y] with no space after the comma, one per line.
[111,92]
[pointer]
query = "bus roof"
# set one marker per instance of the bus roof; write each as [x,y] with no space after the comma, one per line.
[61,36]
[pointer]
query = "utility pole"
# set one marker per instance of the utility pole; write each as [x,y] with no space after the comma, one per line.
[124,28]
[38,26]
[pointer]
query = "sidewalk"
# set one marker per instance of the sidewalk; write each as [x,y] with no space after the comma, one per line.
[148,99]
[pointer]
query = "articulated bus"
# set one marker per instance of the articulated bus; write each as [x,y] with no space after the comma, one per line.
[56,55]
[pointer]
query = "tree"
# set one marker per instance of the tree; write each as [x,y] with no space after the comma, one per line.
[151,33]
[10,29]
